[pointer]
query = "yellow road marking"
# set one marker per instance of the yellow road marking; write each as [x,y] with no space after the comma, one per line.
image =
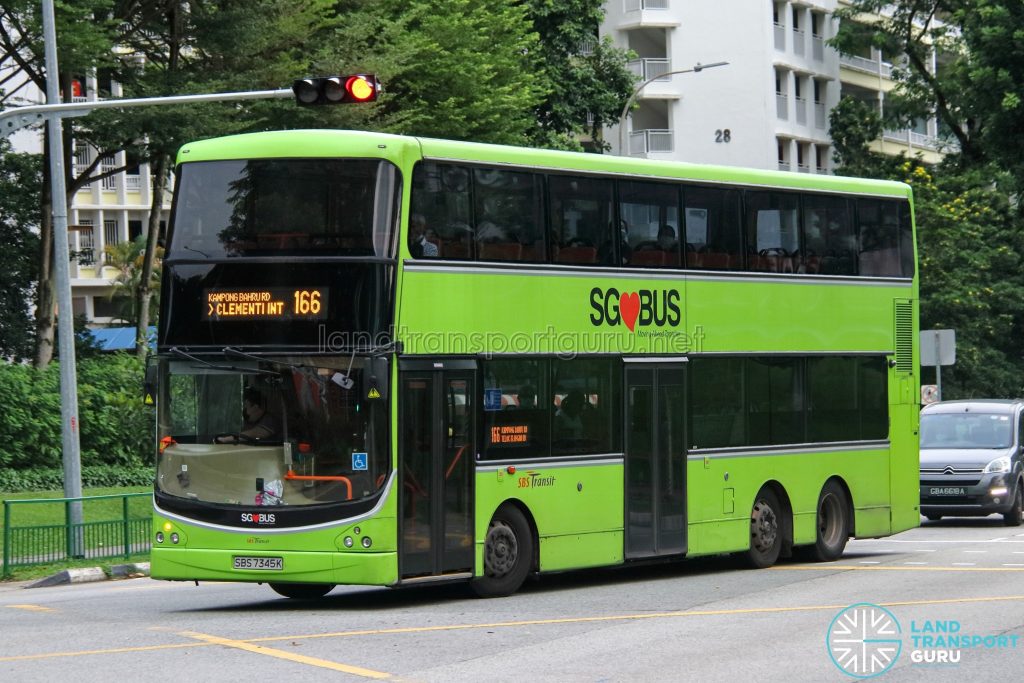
[33,608]
[248,644]
[281,654]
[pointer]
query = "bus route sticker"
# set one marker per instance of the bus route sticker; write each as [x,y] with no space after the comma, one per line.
[359,462]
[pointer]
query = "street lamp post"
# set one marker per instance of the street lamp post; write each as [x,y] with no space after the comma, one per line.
[696,68]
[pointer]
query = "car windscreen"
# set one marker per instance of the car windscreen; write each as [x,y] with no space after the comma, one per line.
[966,430]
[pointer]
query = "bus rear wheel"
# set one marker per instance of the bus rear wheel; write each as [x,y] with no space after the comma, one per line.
[765,530]
[508,554]
[302,591]
[833,524]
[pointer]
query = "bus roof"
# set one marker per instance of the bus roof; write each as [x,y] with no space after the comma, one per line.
[330,143]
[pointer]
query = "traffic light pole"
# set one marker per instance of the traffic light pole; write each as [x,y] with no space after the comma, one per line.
[53,113]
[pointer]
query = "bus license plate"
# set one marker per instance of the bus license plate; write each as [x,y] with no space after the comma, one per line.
[273,563]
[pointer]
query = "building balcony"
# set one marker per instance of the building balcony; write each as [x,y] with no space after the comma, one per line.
[912,138]
[819,115]
[800,107]
[781,106]
[651,68]
[818,48]
[780,37]
[650,141]
[871,66]
[639,5]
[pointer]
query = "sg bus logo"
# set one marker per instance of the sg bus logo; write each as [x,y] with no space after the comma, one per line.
[257,518]
[642,307]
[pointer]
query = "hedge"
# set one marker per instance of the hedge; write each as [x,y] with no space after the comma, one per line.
[94,476]
[116,427]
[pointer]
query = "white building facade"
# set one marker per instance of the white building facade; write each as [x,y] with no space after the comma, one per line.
[768,108]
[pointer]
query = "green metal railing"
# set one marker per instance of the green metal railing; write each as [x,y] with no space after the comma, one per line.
[99,535]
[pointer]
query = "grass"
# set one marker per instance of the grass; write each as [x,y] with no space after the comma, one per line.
[40,514]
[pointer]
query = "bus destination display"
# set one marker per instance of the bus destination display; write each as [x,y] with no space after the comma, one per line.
[265,303]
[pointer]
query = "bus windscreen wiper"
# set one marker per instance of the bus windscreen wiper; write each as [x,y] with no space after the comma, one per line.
[342,379]
[217,366]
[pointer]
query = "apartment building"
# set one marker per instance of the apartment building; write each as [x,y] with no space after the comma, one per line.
[768,108]
[108,211]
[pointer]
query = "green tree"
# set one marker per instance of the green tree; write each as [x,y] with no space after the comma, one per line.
[910,32]
[128,258]
[460,69]
[586,77]
[20,184]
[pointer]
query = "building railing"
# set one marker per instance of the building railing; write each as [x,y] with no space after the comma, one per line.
[781,106]
[586,47]
[803,168]
[132,182]
[651,67]
[107,530]
[650,141]
[784,166]
[818,48]
[798,41]
[780,37]
[912,138]
[871,66]
[819,115]
[800,106]
[637,5]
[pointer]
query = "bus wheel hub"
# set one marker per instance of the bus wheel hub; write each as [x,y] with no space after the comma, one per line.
[502,549]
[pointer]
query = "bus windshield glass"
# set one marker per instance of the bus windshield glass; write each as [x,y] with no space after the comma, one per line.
[271,433]
[966,430]
[261,207]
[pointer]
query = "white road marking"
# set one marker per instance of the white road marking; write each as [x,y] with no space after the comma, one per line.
[915,563]
[964,564]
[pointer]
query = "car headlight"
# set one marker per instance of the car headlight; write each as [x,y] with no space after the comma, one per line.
[997,465]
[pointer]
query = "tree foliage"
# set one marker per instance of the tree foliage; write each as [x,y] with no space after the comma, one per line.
[20,184]
[970,227]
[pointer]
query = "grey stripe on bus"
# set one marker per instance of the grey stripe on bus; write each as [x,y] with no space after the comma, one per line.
[771,451]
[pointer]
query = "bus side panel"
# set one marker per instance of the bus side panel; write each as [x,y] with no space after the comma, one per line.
[577,511]
[721,492]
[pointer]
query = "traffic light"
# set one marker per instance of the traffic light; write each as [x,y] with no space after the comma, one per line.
[336,89]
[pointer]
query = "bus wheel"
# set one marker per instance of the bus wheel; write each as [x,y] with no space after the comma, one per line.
[833,524]
[1014,514]
[765,530]
[302,591]
[508,554]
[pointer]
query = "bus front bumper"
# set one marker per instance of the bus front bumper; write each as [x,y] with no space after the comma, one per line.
[339,568]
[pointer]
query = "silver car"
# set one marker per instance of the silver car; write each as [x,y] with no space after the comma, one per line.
[971,459]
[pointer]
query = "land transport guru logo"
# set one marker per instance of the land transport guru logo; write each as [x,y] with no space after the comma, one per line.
[864,640]
[644,307]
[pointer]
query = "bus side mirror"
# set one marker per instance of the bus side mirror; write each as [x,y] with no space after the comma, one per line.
[150,384]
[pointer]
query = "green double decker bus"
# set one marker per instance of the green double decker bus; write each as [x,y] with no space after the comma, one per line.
[386,360]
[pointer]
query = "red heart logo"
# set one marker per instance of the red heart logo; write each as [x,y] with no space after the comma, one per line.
[629,308]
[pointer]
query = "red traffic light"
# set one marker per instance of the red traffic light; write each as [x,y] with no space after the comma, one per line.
[336,89]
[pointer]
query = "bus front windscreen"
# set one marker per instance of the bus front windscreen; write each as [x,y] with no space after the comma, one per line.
[275,433]
[263,207]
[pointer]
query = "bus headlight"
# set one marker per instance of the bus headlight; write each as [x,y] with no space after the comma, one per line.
[997,465]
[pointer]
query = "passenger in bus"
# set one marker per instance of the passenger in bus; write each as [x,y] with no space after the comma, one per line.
[420,245]
[569,416]
[667,238]
[257,423]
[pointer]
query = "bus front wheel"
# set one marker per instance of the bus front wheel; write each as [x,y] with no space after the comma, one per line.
[765,530]
[302,591]
[833,524]
[508,554]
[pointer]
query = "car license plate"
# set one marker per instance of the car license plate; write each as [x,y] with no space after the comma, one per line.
[272,563]
[947,491]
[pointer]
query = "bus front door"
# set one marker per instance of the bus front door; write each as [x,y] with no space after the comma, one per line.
[655,495]
[436,457]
